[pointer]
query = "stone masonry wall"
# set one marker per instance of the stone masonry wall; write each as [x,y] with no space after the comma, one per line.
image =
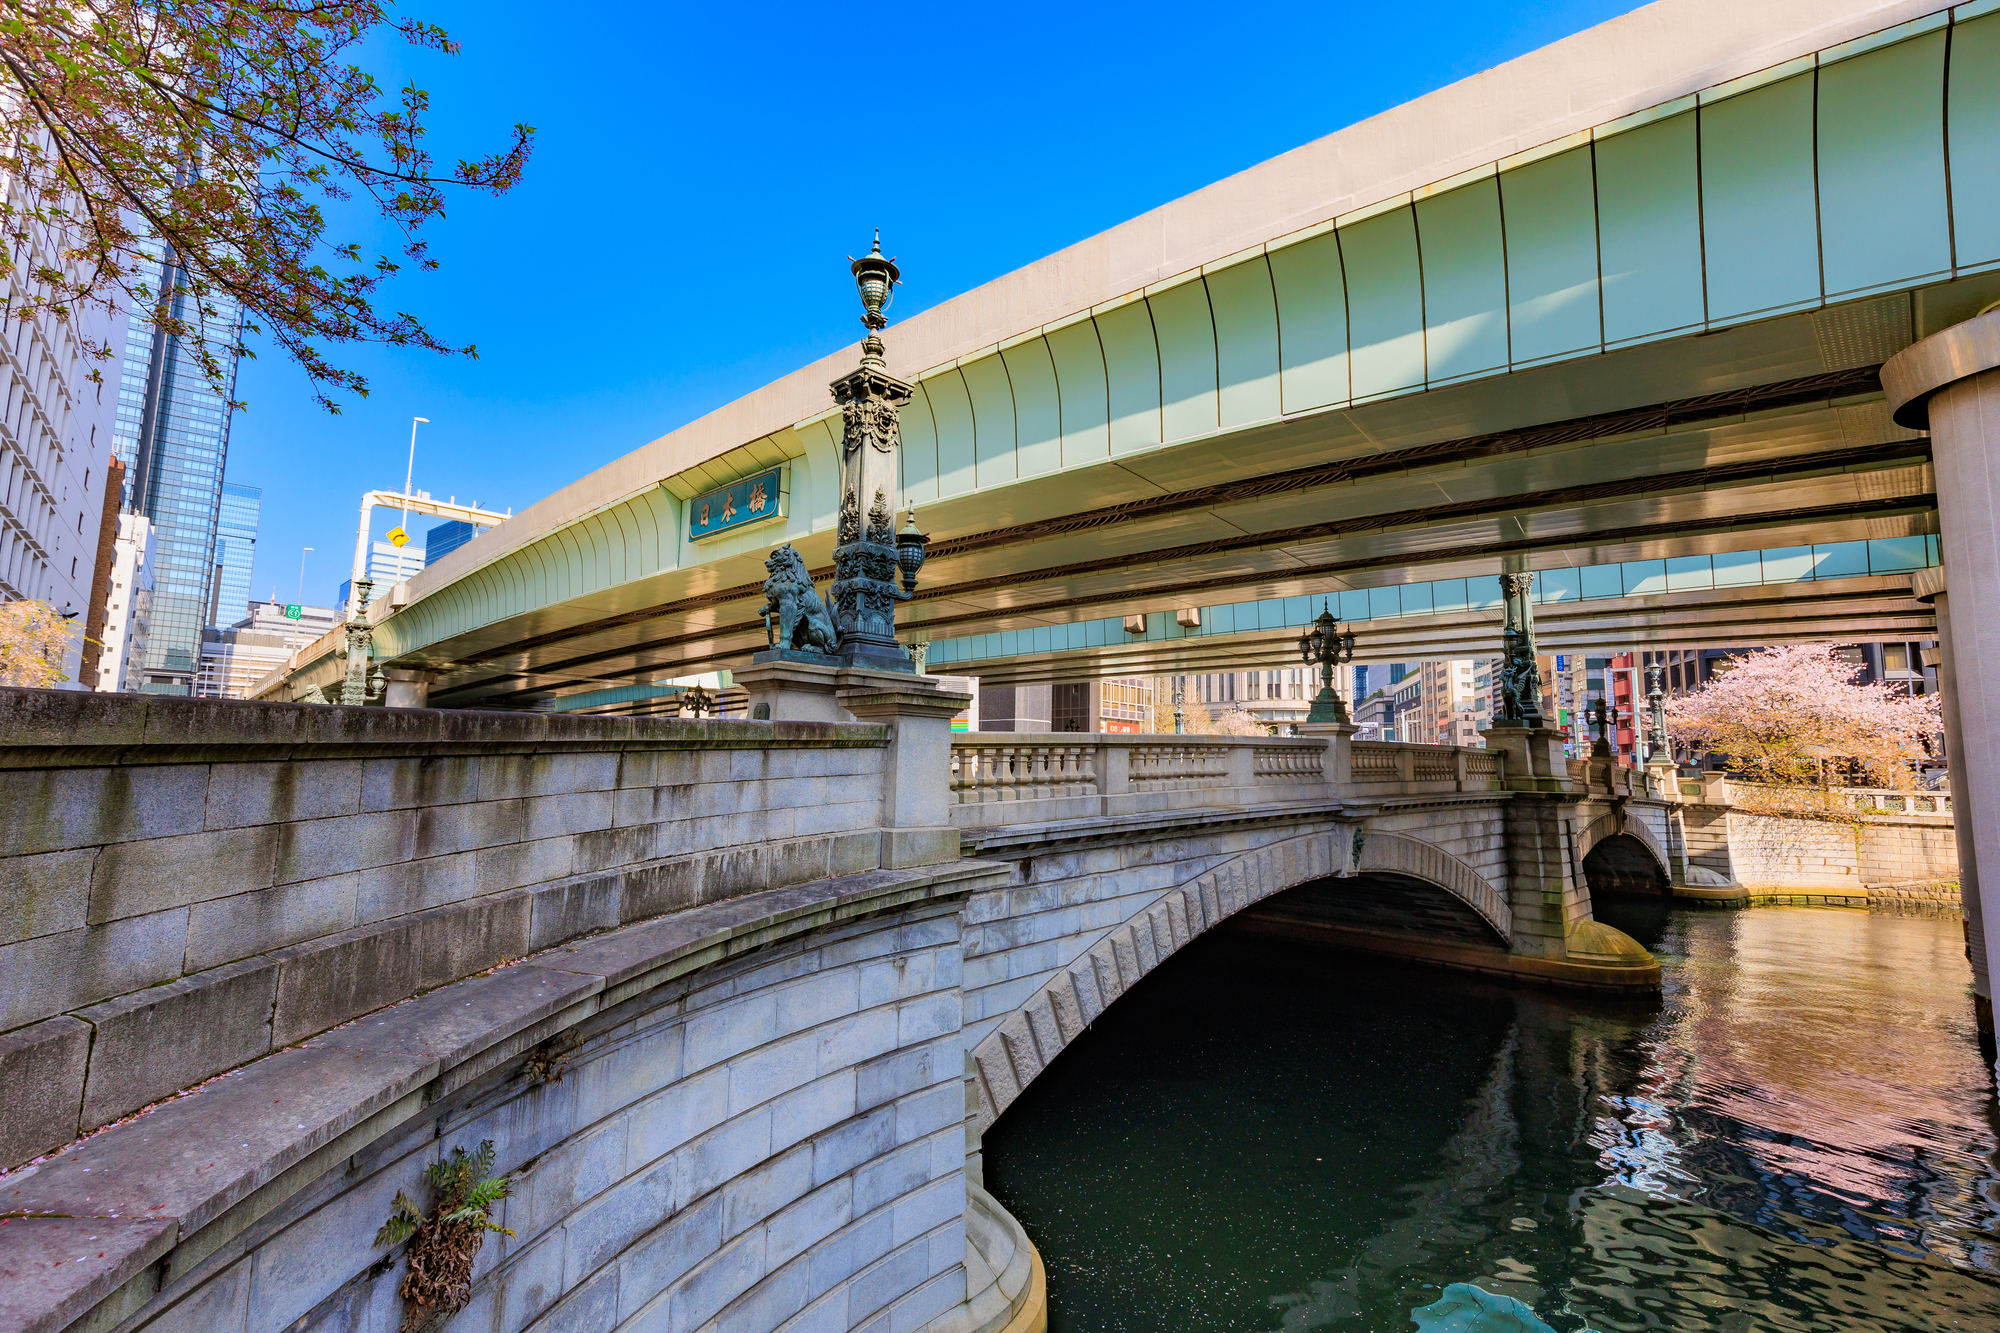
[186,885]
[1770,851]
[776,1143]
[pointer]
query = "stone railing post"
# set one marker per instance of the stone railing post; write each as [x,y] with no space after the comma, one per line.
[1337,766]
[1459,775]
[1240,764]
[916,791]
[1114,770]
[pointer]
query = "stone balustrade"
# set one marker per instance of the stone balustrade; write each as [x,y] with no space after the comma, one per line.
[1381,769]
[1001,778]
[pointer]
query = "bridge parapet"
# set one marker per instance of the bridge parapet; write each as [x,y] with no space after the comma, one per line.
[1002,779]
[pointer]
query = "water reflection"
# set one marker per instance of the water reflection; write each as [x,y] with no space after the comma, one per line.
[1799,1137]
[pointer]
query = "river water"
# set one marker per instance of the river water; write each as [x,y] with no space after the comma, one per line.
[1263,1137]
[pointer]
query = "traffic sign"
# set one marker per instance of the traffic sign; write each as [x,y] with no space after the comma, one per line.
[294,611]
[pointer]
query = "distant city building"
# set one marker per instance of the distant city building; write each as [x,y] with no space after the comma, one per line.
[173,433]
[127,609]
[388,565]
[236,658]
[55,443]
[445,538]
[235,552]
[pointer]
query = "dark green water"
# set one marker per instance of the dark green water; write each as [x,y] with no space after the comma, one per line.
[1801,1136]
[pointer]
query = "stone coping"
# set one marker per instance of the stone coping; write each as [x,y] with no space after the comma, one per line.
[112,1218]
[75,728]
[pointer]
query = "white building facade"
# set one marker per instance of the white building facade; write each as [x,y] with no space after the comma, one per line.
[236,658]
[55,441]
[127,608]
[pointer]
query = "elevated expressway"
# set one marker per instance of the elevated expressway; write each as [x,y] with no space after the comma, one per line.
[1621,300]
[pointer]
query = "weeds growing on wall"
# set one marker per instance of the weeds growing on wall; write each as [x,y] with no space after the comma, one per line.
[444,1244]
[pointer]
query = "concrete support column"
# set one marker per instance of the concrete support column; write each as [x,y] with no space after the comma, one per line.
[408,688]
[1949,383]
[1929,585]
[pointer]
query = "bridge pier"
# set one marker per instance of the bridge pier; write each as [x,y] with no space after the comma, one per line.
[1949,384]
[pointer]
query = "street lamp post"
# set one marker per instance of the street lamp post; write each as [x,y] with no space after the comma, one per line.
[1326,647]
[1179,698]
[1599,716]
[1659,750]
[303,551]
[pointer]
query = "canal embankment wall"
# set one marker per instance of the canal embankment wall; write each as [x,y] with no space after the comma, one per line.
[1888,848]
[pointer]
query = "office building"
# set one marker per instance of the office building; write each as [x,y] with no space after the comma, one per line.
[235,658]
[173,434]
[445,538]
[125,620]
[388,565]
[55,444]
[235,552]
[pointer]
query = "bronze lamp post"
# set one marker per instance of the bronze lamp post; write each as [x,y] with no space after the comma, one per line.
[1325,646]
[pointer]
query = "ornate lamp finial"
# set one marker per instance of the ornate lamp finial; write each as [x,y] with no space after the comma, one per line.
[876,276]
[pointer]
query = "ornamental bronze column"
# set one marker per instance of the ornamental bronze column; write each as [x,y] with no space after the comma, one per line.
[1520,675]
[865,556]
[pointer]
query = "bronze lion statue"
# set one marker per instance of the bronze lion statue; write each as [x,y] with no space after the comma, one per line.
[803,623]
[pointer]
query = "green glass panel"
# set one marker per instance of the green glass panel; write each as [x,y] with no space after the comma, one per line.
[1689,572]
[1736,569]
[1186,332]
[1352,604]
[951,410]
[1787,564]
[1416,598]
[1888,555]
[1132,371]
[1385,304]
[992,419]
[1973,113]
[1839,560]
[1298,610]
[1649,229]
[1551,213]
[1644,576]
[1560,585]
[1465,282]
[1220,620]
[1448,595]
[1037,414]
[920,455]
[1881,166]
[1384,602]
[1246,342]
[1312,323]
[1759,214]
[1079,367]
[1603,581]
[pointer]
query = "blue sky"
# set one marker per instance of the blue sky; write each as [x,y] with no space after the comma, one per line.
[701,172]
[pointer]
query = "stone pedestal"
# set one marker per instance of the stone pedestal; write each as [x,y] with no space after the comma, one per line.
[1534,760]
[790,690]
[916,785]
[1949,383]
[1339,737]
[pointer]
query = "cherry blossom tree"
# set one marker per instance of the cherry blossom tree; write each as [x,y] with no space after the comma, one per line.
[34,638]
[1783,714]
[174,157]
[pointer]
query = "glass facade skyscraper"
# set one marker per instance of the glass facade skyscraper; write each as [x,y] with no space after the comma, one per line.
[173,433]
[235,553]
[445,538]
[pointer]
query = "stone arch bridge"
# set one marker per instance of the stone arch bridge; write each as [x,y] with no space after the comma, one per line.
[733,1001]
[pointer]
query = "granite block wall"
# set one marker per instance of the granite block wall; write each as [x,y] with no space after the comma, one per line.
[776,1143]
[207,881]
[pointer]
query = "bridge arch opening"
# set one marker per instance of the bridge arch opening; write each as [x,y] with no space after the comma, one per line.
[1621,865]
[1370,890]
